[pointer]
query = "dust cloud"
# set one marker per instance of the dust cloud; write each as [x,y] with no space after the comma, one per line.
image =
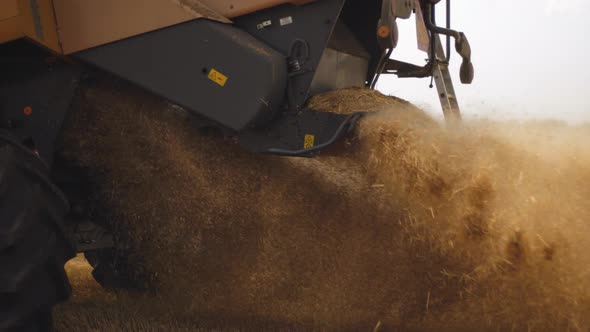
[415,226]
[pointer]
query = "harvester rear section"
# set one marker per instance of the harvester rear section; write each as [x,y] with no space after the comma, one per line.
[246,69]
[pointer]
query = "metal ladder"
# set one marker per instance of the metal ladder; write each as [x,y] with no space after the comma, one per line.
[444,84]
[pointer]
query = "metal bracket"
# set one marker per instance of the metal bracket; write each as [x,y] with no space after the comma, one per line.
[406,70]
[436,68]
[461,43]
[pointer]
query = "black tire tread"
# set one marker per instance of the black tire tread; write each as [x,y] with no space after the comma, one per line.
[34,243]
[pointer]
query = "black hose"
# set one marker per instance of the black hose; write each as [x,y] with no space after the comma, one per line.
[342,129]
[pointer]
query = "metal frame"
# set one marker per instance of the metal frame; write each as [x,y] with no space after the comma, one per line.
[438,62]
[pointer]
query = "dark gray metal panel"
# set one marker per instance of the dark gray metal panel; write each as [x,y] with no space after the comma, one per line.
[283,26]
[36,90]
[344,63]
[175,63]
[339,70]
[361,17]
[343,40]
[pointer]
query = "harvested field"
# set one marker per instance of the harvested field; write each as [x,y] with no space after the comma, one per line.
[415,227]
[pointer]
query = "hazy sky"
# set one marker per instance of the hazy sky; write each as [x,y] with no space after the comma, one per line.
[529,56]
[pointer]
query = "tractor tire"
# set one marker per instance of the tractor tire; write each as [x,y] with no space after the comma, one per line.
[34,241]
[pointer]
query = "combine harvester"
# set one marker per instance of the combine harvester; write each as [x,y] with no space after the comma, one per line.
[247,68]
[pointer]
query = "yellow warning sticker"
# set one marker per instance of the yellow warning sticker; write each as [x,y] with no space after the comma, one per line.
[309,141]
[217,77]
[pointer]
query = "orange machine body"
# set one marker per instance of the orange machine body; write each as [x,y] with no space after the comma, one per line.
[68,26]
